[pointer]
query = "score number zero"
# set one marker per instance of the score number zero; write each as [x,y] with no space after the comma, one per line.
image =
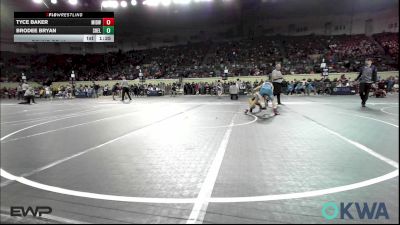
[108,25]
[108,21]
[106,30]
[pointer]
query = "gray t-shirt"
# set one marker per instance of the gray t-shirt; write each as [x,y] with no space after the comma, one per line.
[124,83]
[276,76]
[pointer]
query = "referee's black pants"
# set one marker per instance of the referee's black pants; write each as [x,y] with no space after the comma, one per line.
[277,91]
[364,92]
[125,90]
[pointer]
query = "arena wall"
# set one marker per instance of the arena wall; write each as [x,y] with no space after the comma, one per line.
[351,76]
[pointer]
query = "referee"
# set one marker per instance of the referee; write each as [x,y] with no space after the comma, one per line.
[367,76]
[277,78]
[125,89]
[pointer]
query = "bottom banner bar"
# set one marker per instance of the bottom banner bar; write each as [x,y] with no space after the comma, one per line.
[62,38]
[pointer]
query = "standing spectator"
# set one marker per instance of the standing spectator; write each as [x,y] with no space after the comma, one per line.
[41,92]
[390,84]
[309,87]
[173,90]
[54,91]
[238,83]
[105,90]
[234,91]
[20,94]
[47,92]
[135,90]
[290,88]
[96,88]
[367,76]
[396,85]
[125,89]
[219,89]
[68,91]
[277,78]
[141,90]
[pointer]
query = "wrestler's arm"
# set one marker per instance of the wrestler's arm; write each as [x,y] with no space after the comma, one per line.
[257,88]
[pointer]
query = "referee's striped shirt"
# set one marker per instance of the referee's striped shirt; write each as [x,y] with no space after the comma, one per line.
[124,83]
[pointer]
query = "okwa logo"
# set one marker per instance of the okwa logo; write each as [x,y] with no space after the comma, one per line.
[376,210]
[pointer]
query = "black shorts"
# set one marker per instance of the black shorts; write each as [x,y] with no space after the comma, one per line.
[277,88]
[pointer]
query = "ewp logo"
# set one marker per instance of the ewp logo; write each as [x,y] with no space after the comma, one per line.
[376,211]
[34,211]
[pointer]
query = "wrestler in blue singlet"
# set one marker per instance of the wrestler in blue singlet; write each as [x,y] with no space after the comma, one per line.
[267,90]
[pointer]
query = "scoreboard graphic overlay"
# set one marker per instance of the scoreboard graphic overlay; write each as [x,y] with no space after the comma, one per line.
[64,26]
